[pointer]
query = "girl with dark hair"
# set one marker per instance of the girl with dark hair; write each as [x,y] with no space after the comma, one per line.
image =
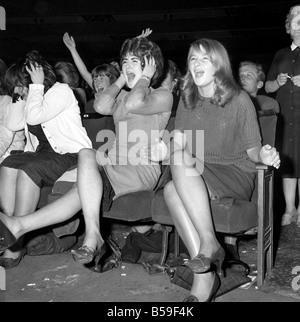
[49,114]
[140,115]
[212,103]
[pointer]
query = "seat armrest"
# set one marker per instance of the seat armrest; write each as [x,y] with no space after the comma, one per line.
[261,166]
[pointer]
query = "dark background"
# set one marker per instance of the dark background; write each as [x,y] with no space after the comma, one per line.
[249,29]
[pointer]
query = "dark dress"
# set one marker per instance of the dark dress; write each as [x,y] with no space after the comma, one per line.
[288,96]
[44,166]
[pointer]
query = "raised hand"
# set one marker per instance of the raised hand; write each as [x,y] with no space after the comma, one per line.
[145,33]
[69,41]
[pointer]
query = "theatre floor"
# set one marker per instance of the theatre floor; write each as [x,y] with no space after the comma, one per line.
[57,278]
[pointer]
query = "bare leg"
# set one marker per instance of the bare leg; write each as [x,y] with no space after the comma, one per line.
[90,189]
[27,198]
[8,179]
[298,209]
[194,196]
[56,212]
[289,190]
[27,195]
[202,283]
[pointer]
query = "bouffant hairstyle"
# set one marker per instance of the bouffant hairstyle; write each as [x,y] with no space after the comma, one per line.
[140,47]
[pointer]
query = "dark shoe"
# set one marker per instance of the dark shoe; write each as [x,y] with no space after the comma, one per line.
[7,239]
[213,293]
[202,264]
[191,298]
[8,263]
[111,260]
[85,255]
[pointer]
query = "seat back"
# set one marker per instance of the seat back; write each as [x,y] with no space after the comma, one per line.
[267,120]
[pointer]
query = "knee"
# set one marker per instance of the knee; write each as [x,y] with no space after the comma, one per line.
[86,154]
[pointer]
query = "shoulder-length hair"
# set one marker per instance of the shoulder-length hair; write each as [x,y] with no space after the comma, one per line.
[225,85]
[141,47]
[67,73]
[110,70]
[17,74]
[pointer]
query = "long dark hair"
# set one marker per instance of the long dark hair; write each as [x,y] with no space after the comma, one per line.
[17,74]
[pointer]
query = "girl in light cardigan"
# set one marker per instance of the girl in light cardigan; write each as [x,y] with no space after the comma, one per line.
[50,115]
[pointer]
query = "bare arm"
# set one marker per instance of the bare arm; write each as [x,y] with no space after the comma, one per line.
[267,155]
[105,101]
[71,45]
[142,101]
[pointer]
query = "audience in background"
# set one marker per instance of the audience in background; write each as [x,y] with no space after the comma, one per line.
[67,73]
[252,78]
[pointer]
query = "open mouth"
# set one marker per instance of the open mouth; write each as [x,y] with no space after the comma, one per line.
[199,73]
[130,77]
[99,89]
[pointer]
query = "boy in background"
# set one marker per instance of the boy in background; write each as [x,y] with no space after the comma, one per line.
[252,78]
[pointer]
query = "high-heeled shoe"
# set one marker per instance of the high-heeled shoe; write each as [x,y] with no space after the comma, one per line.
[212,295]
[7,239]
[85,254]
[111,260]
[8,263]
[201,263]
